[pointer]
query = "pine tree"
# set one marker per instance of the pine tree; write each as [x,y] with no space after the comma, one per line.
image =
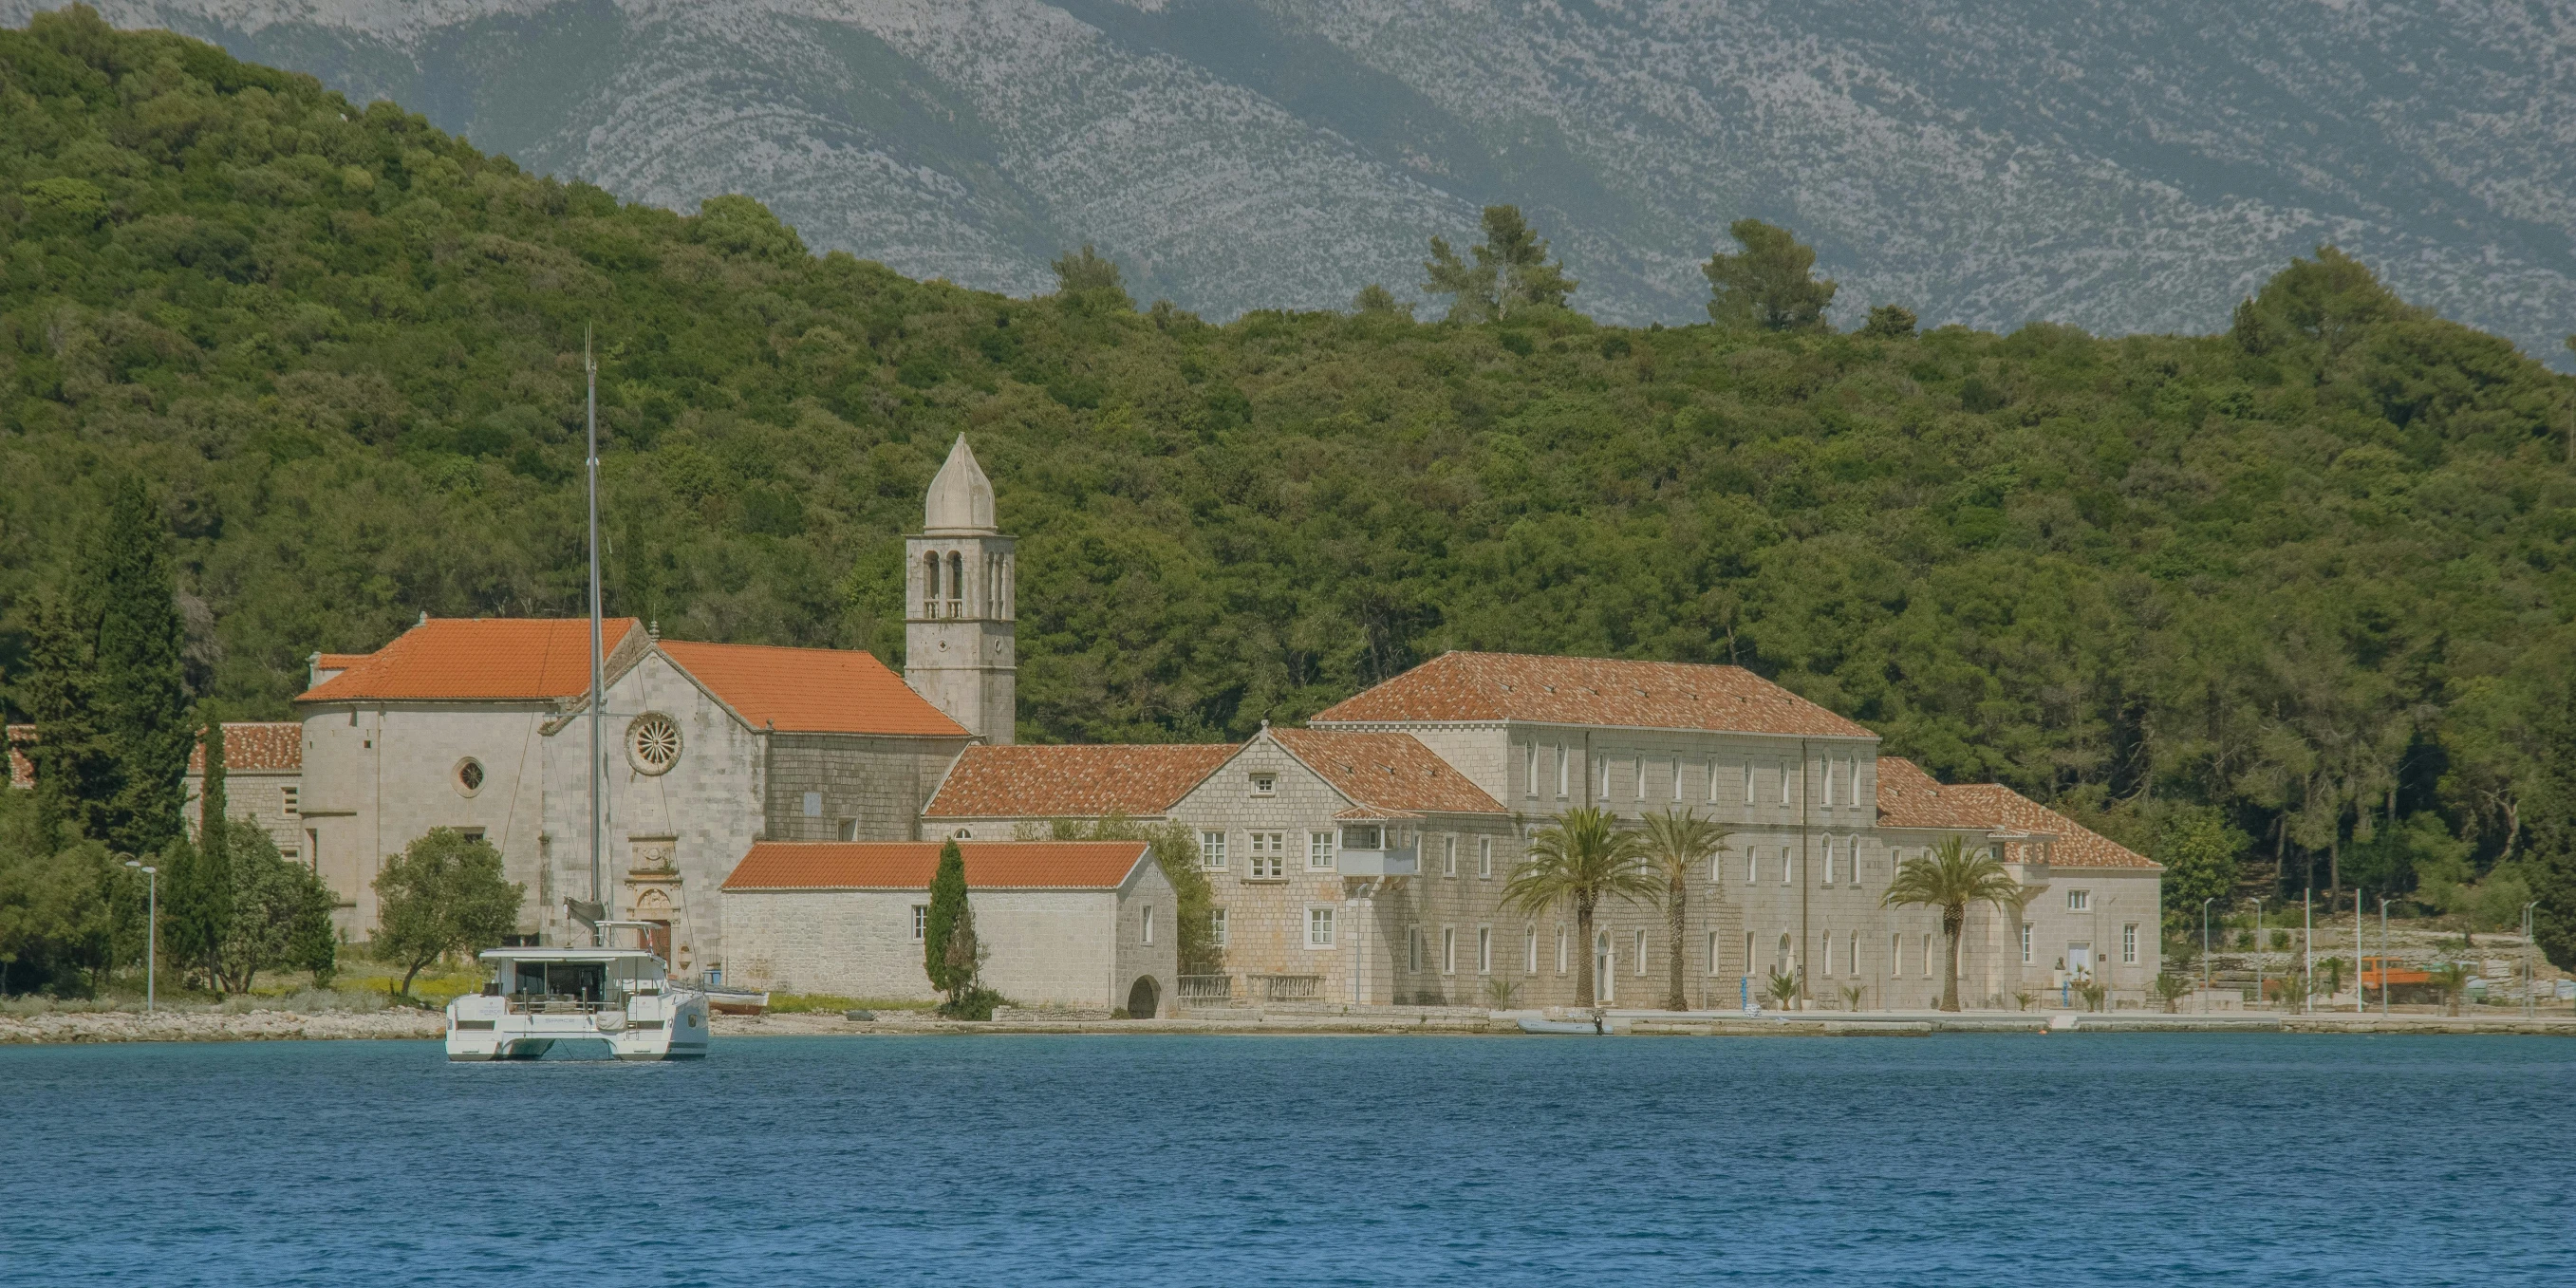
[948,914]
[1511,272]
[1771,285]
[136,686]
[198,912]
[71,769]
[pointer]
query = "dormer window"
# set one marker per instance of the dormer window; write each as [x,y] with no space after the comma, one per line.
[1265,784]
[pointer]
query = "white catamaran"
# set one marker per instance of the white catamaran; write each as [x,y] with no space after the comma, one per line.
[536,997]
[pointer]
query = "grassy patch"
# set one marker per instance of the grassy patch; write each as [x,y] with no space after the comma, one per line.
[795,1003]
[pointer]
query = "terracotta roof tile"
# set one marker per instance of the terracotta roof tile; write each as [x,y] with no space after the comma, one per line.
[476,659]
[22,772]
[263,747]
[1608,692]
[1386,771]
[1075,781]
[343,661]
[909,865]
[1908,797]
[811,690]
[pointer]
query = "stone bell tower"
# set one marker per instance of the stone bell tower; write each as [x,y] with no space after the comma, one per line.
[959,605]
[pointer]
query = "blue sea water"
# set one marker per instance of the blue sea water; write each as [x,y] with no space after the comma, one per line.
[2072,1159]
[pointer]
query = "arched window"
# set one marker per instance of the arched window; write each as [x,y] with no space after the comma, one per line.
[930,584]
[956,584]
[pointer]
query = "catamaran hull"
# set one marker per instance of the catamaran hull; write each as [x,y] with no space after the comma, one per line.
[483,1037]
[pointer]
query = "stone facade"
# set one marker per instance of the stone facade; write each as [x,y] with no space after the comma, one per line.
[961,602]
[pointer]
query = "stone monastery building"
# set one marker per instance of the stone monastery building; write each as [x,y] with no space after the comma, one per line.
[1360,858]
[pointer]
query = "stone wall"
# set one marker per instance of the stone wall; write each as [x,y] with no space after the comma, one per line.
[867,784]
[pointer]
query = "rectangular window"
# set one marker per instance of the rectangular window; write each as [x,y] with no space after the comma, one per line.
[1269,854]
[1319,927]
[1485,858]
[1216,926]
[1784,782]
[1212,849]
[1928,970]
[1712,953]
[1449,856]
[1829,955]
[286,802]
[1601,762]
[1560,950]
[1895,956]
[1748,782]
[2129,944]
[1265,784]
[1712,780]
[1319,851]
[2025,943]
[1413,950]
[1641,952]
[1677,778]
[813,804]
[1854,944]
[1448,950]
[848,830]
[1529,779]
[1788,866]
[1563,771]
[920,921]
[1748,952]
[1752,864]
[1149,925]
[1640,769]
[1484,950]
[1532,968]
[2078,900]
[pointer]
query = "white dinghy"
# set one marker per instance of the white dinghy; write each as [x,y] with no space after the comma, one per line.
[536,997]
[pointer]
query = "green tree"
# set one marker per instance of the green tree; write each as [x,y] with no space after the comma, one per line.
[1951,878]
[1374,300]
[2199,849]
[282,912]
[1677,842]
[1770,284]
[950,913]
[198,885]
[70,760]
[1889,322]
[444,894]
[136,685]
[1176,852]
[1512,271]
[56,917]
[1581,857]
[1087,270]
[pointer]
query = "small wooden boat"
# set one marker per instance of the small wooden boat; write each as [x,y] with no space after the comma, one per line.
[1579,1028]
[736,1001]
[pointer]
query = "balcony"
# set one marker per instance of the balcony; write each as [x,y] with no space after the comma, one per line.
[1381,863]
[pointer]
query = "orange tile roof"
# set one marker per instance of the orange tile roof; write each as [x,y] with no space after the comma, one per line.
[22,771]
[476,659]
[909,865]
[1386,771]
[343,661]
[1908,797]
[811,690]
[1609,692]
[262,747]
[1075,781]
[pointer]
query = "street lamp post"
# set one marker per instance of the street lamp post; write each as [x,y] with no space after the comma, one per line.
[2308,950]
[2258,952]
[2204,950]
[2383,954]
[151,930]
[2529,1008]
[2358,992]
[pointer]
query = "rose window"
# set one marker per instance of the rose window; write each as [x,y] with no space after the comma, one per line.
[653,743]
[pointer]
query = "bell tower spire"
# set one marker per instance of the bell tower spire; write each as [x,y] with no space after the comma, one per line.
[960,603]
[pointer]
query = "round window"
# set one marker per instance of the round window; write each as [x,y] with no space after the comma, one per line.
[469,776]
[653,743]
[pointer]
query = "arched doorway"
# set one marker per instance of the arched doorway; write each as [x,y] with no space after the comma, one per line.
[1145,999]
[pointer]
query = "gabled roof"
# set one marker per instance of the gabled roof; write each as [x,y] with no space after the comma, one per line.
[811,690]
[482,659]
[22,771]
[1387,774]
[1908,797]
[250,748]
[909,865]
[1074,781]
[1608,692]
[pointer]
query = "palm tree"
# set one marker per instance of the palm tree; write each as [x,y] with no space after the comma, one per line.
[1675,842]
[1950,878]
[1581,857]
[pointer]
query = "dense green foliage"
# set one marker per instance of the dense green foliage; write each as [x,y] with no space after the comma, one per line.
[1176,852]
[443,895]
[2313,573]
[950,916]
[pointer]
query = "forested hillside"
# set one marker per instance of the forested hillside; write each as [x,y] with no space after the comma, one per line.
[2314,573]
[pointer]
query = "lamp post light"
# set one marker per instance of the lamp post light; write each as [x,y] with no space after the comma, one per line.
[2204,950]
[2258,952]
[151,930]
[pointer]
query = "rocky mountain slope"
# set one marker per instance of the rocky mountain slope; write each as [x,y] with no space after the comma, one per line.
[2120,165]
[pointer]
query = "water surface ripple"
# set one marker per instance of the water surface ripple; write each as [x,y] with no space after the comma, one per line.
[2132,1159]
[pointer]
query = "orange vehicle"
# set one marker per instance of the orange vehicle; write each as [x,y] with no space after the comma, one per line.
[2378,972]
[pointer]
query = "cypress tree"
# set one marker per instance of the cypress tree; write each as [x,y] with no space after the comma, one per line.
[136,686]
[948,913]
[198,919]
[71,770]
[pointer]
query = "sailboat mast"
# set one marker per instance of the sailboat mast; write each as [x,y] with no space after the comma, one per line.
[590,374]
